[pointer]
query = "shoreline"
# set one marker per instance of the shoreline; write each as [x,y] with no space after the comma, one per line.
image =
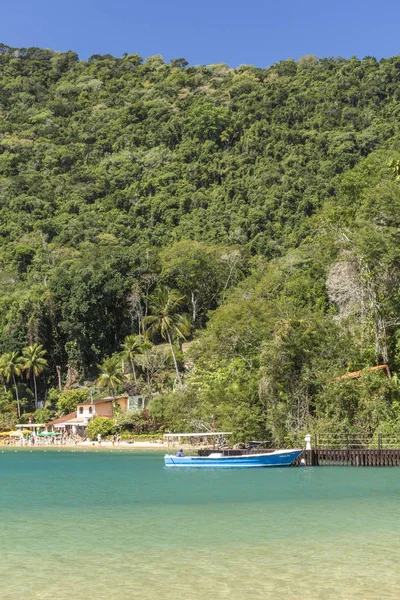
[78,448]
[106,445]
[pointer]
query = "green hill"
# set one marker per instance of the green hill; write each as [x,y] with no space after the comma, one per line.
[270,198]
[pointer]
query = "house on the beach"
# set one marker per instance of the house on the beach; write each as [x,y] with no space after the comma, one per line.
[77,421]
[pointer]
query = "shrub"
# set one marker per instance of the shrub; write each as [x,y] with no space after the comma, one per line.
[129,436]
[137,422]
[100,425]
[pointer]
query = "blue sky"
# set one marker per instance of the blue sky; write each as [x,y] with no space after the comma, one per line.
[258,32]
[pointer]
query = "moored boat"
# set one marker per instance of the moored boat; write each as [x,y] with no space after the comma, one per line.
[223,457]
[225,460]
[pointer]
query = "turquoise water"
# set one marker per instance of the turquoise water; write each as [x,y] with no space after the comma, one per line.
[117,525]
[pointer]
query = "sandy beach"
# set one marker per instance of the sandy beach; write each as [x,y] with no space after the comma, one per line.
[105,445]
[131,445]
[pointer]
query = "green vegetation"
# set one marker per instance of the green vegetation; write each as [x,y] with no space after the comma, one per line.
[166,321]
[220,241]
[35,363]
[111,376]
[99,426]
[131,426]
[68,400]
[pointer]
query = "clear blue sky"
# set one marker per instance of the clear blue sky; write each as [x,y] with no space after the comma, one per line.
[258,32]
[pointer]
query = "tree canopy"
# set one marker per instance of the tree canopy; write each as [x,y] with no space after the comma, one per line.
[266,200]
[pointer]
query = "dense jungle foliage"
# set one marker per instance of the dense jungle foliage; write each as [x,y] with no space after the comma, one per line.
[222,241]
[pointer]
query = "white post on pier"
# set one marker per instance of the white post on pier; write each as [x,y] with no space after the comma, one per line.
[307,439]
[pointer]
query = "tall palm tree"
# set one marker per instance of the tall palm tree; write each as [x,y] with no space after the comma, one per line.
[132,347]
[12,367]
[111,375]
[2,372]
[166,320]
[35,363]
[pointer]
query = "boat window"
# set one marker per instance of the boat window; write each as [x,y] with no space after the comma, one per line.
[80,410]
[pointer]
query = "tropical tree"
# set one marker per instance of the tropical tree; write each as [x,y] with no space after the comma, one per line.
[2,373]
[153,361]
[202,273]
[196,271]
[111,375]
[133,346]
[13,365]
[68,400]
[35,363]
[166,321]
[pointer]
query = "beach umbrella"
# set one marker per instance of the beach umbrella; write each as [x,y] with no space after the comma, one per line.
[48,433]
[17,433]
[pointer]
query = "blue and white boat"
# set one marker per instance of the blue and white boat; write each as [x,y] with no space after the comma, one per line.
[221,460]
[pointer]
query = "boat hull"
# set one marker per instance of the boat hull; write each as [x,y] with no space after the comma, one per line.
[278,458]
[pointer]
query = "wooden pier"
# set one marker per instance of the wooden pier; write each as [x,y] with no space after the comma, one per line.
[331,450]
[349,458]
[349,451]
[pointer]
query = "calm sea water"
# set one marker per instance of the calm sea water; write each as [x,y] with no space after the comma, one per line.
[101,525]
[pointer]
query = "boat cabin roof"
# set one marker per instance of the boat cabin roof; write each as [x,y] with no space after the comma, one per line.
[179,435]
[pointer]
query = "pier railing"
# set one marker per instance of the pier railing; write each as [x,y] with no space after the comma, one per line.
[352,450]
[359,442]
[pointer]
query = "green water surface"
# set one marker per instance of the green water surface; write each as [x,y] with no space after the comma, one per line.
[118,525]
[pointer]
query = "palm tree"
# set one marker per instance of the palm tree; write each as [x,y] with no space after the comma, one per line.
[132,347]
[35,363]
[13,365]
[165,319]
[2,372]
[111,375]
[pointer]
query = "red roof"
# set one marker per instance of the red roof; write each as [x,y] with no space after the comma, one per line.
[356,374]
[62,419]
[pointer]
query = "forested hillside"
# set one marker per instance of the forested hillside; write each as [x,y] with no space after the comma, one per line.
[252,212]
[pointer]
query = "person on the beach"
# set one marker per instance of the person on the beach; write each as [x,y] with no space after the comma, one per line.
[180,452]
[114,437]
[99,439]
